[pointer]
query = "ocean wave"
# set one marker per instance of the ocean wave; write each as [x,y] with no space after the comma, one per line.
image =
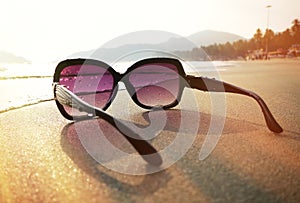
[23,77]
[2,69]
[23,91]
[24,105]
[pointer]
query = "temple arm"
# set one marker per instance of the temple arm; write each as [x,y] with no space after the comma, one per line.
[66,97]
[212,85]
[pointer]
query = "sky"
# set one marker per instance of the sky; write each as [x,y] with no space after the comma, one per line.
[42,30]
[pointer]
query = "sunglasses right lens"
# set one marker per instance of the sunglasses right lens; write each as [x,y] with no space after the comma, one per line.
[92,83]
[156,84]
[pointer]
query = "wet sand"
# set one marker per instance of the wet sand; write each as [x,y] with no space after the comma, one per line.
[42,159]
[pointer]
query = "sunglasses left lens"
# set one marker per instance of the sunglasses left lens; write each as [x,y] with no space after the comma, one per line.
[156,84]
[92,83]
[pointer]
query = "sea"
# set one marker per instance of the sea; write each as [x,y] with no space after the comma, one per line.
[28,84]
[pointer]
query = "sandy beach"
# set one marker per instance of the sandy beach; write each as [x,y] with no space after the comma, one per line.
[42,159]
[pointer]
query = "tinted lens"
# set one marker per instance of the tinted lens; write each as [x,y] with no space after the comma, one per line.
[155,84]
[92,83]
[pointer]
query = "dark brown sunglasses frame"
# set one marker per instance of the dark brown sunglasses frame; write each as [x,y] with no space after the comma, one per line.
[65,97]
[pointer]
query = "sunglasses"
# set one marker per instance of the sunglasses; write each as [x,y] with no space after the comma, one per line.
[85,88]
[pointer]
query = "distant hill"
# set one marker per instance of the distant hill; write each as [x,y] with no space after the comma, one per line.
[203,38]
[209,37]
[6,57]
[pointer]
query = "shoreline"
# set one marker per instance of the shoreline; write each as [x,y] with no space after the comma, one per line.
[24,77]
[25,105]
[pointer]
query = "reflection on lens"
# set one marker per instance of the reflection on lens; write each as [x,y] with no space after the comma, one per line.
[93,84]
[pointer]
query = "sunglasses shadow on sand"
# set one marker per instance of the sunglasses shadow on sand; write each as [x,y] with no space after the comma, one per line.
[85,88]
[72,146]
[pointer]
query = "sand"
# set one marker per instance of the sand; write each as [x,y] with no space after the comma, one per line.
[42,159]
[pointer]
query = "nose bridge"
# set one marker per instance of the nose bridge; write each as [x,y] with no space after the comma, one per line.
[124,82]
[120,77]
[121,80]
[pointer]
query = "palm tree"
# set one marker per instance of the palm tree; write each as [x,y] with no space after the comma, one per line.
[296,31]
[268,39]
[258,38]
[296,25]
